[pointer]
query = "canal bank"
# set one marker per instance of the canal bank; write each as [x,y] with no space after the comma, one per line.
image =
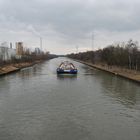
[124,73]
[11,68]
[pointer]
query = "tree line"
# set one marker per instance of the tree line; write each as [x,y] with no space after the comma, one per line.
[125,55]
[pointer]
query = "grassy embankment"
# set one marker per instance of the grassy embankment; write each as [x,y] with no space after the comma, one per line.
[9,68]
[16,65]
[122,72]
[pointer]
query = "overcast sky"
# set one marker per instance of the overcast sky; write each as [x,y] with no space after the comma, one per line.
[65,24]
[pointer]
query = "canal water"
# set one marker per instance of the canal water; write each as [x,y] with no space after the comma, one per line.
[37,104]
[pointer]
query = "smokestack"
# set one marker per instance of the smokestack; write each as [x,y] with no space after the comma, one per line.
[41,43]
[10,45]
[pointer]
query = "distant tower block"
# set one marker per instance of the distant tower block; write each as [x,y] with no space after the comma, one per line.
[37,51]
[19,48]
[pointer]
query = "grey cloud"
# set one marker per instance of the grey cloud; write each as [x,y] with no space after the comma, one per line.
[71,19]
[74,16]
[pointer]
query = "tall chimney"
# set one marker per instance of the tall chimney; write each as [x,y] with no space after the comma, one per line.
[10,45]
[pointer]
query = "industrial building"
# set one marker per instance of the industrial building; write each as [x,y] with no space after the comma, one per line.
[6,53]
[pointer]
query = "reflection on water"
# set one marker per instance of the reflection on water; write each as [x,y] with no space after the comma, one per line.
[124,90]
[66,76]
[27,73]
[30,71]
